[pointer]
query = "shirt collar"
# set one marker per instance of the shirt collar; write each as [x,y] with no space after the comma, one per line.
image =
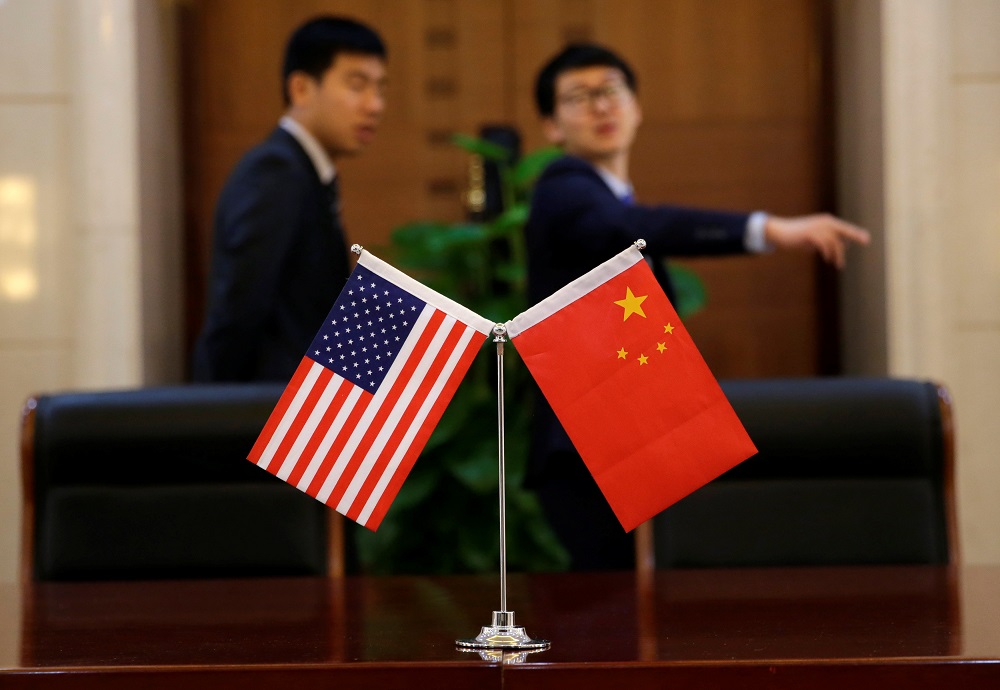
[619,187]
[317,154]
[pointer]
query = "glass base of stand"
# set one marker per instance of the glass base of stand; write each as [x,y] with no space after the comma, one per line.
[502,634]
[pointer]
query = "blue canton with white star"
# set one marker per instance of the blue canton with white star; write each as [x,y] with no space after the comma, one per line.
[364,331]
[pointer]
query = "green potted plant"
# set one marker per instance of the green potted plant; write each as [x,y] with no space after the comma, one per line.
[445,518]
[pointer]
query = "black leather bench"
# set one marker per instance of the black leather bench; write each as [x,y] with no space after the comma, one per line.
[154,483]
[849,471]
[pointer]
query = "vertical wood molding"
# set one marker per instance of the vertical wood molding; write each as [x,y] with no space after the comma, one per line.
[860,183]
[159,215]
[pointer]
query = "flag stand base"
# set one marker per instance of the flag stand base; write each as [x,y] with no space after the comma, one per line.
[502,634]
[502,640]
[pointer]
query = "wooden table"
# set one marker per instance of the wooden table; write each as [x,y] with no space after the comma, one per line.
[913,627]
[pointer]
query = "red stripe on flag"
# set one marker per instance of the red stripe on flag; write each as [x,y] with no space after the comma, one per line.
[343,434]
[321,429]
[424,433]
[301,416]
[279,410]
[389,403]
[410,409]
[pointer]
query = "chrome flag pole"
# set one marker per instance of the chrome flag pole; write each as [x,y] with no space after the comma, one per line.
[499,333]
[502,634]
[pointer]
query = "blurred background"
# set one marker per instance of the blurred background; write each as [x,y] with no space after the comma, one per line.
[120,119]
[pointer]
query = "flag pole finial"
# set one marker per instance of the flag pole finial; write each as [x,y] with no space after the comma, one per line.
[640,244]
[500,336]
[357,249]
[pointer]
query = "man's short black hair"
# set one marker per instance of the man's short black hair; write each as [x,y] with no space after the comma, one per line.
[314,45]
[575,56]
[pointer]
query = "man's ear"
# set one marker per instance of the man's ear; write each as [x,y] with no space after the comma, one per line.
[553,132]
[300,88]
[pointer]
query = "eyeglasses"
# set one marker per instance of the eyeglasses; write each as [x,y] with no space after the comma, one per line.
[612,94]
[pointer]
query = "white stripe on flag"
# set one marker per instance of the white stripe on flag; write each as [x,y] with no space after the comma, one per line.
[286,421]
[309,428]
[374,405]
[316,461]
[415,426]
[406,398]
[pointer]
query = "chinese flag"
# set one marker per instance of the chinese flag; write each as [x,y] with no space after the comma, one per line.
[630,388]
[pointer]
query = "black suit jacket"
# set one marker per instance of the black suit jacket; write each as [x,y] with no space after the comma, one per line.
[279,261]
[576,223]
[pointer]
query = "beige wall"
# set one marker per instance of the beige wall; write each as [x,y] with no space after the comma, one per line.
[89,218]
[920,164]
[89,213]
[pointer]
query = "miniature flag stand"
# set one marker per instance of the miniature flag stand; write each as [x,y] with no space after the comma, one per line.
[380,372]
[502,634]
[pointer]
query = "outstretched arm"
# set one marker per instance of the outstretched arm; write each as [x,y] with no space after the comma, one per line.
[821,232]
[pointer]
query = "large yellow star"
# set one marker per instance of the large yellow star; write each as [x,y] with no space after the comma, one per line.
[622,353]
[632,304]
[668,329]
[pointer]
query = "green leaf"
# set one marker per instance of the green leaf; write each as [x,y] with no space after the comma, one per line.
[689,289]
[498,309]
[532,533]
[513,219]
[510,272]
[454,419]
[477,467]
[531,165]
[478,547]
[445,517]
[412,234]
[482,147]
[418,486]
[457,236]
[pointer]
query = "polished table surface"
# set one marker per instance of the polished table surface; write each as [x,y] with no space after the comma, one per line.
[769,628]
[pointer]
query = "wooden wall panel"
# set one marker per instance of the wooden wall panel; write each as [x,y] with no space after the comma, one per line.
[443,71]
[731,92]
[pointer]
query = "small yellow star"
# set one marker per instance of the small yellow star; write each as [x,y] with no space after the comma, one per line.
[642,360]
[632,304]
[622,353]
[660,347]
[668,329]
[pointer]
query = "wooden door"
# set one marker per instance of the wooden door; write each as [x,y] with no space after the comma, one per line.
[734,101]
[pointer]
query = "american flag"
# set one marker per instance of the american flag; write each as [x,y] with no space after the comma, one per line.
[369,391]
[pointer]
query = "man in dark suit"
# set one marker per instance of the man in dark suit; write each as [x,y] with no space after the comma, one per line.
[582,214]
[279,254]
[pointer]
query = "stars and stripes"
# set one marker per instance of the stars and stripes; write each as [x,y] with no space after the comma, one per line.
[369,391]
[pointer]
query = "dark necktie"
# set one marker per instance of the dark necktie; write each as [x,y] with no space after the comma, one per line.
[332,189]
[332,193]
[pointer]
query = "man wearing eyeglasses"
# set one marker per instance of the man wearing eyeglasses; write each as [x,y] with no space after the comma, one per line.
[582,214]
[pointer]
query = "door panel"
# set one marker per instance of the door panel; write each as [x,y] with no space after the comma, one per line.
[732,94]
